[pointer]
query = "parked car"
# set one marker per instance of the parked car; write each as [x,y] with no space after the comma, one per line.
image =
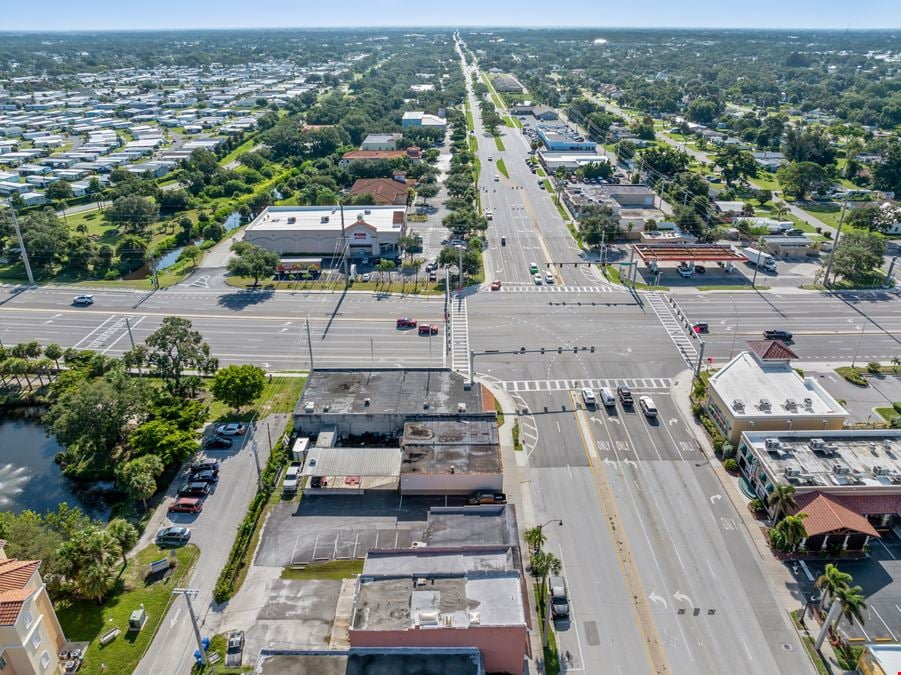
[496,285]
[625,395]
[406,322]
[206,464]
[588,397]
[428,329]
[700,269]
[559,599]
[646,403]
[776,334]
[292,477]
[607,397]
[234,648]
[172,536]
[194,489]
[232,429]
[218,443]
[488,498]
[365,277]
[83,300]
[204,477]
[187,505]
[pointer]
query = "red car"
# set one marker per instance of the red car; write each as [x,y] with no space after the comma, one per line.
[406,322]
[428,329]
[187,505]
[496,285]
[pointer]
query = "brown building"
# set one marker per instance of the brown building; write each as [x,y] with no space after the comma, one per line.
[394,190]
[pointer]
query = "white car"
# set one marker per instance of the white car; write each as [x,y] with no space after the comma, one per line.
[548,277]
[537,279]
[607,397]
[646,403]
[588,397]
[489,215]
[365,277]
[232,429]
[83,300]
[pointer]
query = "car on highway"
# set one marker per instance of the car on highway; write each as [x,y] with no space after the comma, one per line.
[218,443]
[559,598]
[83,300]
[537,279]
[203,477]
[589,397]
[503,241]
[197,489]
[490,158]
[406,322]
[776,334]
[533,267]
[489,215]
[365,277]
[646,403]
[428,329]
[607,397]
[625,395]
[487,498]
[496,285]
[548,277]
[186,505]
[700,327]
[172,536]
[232,429]
[497,178]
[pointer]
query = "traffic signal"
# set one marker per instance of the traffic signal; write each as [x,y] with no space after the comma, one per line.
[522,350]
[575,350]
[559,350]
[542,350]
[592,349]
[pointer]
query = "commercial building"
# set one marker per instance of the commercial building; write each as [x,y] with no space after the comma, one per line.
[374,660]
[380,142]
[880,659]
[508,84]
[422,119]
[380,401]
[31,639]
[321,230]
[758,390]
[412,153]
[570,161]
[561,137]
[848,482]
[443,598]
[538,111]
[790,247]
[450,456]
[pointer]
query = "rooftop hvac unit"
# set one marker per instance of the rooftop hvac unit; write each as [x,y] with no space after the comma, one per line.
[309,407]
[291,220]
[817,443]
[323,220]
[474,618]
[772,444]
[881,471]
[447,620]
[429,618]
[840,470]
[739,405]
[808,402]
[421,581]
[461,407]
[367,212]
[791,471]
[790,404]
[764,404]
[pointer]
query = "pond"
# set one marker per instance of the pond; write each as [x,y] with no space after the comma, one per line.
[29,478]
[233,221]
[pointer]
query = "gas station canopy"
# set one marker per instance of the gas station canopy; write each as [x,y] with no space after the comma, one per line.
[658,253]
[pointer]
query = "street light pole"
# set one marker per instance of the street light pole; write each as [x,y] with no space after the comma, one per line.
[838,233]
[188,593]
[863,327]
[309,343]
[22,247]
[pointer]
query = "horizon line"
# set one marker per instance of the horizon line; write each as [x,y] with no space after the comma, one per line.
[371,28]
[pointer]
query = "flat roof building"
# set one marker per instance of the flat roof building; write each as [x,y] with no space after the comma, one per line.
[758,390]
[317,230]
[372,661]
[422,119]
[561,137]
[571,161]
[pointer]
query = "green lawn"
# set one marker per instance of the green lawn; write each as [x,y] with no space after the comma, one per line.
[828,213]
[333,569]
[502,168]
[548,186]
[499,143]
[517,441]
[766,181]
[237,152]
[97,227]
[888,413]
[470,122]
[279,396]
[86,620]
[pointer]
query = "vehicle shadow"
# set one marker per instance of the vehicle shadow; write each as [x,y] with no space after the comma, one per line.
[238,301]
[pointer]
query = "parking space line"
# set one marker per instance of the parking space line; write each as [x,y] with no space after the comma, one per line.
[884,624]
[887,550]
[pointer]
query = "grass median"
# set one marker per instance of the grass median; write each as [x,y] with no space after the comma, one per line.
[502,168]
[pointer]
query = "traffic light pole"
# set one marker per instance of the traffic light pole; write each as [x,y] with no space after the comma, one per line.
[520,352]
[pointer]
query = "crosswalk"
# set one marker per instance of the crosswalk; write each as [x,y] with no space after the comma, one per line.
[459,337]
[553,288]
[636,383]
[673,328]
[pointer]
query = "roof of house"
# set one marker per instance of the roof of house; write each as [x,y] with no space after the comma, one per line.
[383,190]
[771,350]
[374,154]
[11,604]
[827,514]
[14,578]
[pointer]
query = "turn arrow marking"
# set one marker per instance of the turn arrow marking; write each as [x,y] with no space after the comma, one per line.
[715,498]
[658,598]
[679,595]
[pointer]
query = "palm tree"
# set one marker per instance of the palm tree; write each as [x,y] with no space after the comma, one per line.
[543,565]
[793,530]
[851,600]
[780,210]
[96,580]
[55,352]
[125,535]
[830,582]
[535,538]
[782,499]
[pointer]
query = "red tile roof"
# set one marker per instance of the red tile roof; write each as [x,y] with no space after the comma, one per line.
[11,604]
[383,190]
[15,574]
[373,154]
[771,350]
[827,514]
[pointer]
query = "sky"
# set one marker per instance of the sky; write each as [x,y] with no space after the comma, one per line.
[191,14]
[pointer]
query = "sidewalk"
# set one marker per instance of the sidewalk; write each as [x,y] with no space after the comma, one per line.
[778,574]
[516,487]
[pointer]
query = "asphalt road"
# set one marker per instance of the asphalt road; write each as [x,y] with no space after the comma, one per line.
[264,328]
[825,326]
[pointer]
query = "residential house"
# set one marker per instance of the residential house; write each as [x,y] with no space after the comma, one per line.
[385,190]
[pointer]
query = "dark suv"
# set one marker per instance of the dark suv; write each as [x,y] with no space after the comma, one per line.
[777,335]
[625,395]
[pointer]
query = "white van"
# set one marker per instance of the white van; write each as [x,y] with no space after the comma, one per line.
[646,403]
[497,178]
[607,397]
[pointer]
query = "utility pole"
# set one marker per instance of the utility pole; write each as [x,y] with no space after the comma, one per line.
[700,360]
[888,276]
[863,327]
[131,337]
[188,593]
[22,248]
[346,249]
[838,233]
[256,457]
[309,343]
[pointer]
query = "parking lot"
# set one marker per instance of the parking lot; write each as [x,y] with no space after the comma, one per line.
[876,575]
[330,527]
[861,401]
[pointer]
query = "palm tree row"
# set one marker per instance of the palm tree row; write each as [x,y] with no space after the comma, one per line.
[29,358]
[835,586]
[542,563]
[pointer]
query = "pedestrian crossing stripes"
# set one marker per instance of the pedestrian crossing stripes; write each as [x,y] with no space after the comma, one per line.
[524,288]
[459,336]
[637,383]
[673,328]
